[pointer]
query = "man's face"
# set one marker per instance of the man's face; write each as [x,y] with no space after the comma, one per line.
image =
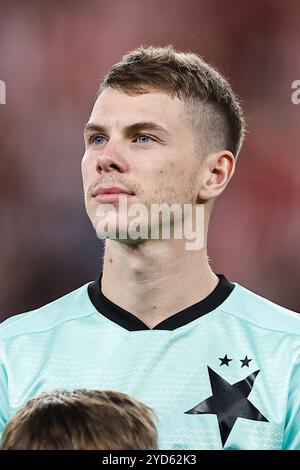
[141,144]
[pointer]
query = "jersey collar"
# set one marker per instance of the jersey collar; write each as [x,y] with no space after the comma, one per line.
[130,322]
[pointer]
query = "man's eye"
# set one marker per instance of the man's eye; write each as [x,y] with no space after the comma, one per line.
[97,139]
[144,139]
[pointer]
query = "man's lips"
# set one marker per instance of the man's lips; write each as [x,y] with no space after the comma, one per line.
[110,193]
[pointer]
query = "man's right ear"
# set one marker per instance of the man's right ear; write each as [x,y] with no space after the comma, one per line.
[217,170]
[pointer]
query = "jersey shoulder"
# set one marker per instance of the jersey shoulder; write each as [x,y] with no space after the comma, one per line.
[261,312]
[73,305]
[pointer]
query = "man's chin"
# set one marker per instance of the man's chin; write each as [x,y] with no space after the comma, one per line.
[130,235]
[125,240]
[129,241]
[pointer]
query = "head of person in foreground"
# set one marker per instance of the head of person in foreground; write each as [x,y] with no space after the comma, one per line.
[81,420]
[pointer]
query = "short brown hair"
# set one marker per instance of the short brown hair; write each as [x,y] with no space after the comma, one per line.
[82,419]
[216,110]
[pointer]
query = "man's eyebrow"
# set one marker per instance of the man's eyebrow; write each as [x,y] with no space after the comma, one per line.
[136,127]
[90,126]
[146,126]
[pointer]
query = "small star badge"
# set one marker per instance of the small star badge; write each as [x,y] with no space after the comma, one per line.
[245,362]
[224,360]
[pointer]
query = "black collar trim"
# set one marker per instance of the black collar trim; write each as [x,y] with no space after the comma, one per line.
[131,323]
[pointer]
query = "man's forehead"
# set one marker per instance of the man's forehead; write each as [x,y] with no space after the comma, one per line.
[115,106]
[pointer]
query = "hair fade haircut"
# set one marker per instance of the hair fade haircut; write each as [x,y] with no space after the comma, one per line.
[79,420]
[213,106]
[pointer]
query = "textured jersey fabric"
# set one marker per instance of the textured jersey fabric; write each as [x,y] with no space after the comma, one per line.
[221,374]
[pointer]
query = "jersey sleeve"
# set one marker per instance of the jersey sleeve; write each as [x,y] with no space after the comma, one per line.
[292,428]
[4,407]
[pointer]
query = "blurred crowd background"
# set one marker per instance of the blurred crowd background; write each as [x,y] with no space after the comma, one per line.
[53,55]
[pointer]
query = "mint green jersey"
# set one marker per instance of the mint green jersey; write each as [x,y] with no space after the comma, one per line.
[223,373]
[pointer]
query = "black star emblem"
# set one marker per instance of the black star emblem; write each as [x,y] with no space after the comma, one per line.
[224,360]
[245,362]
[229,402]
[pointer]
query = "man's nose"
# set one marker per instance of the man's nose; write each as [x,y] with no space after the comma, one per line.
[111,159]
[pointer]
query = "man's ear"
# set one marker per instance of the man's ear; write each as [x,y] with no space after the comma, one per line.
[217,170]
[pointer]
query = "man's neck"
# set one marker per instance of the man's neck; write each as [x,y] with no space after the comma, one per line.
[155,279]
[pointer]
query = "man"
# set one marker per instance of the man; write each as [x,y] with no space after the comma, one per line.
[80,420]
[217,363]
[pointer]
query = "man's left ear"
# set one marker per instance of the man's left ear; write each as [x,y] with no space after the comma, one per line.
[217,170]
